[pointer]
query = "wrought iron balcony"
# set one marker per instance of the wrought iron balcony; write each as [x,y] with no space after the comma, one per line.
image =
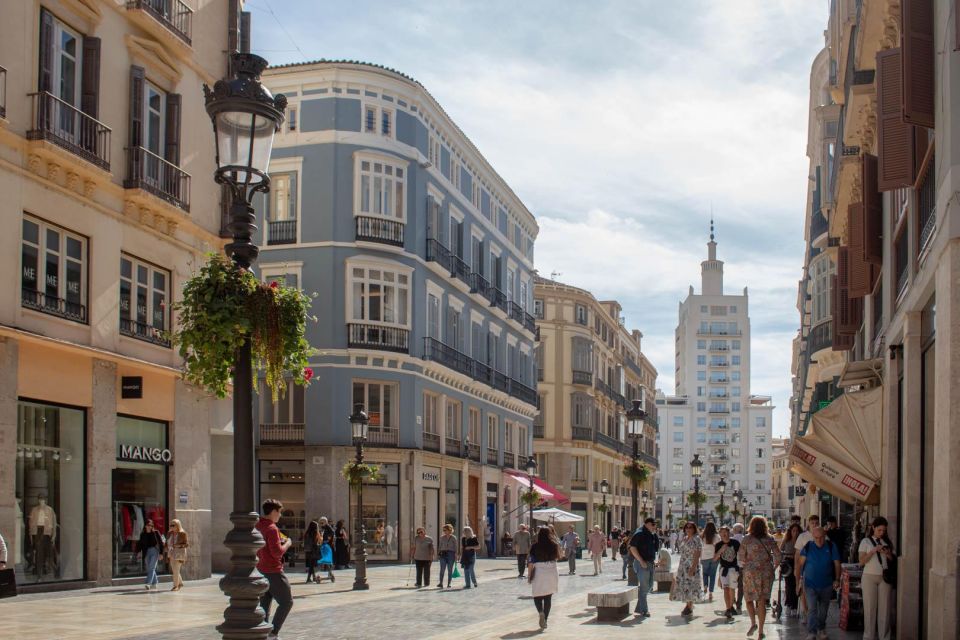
[820,337]
[480,285]
[516,313]
[281,232]
[372,229]
[493,457]
[459,268]
[818,225]
[175,15]
[582,433]
[148,171]
[609,391]
[521,391]
[509,460]
[499,300]
[582,377]
[473,452]
[449,357]
[453,446]
[383,437]
[39,301]
[281,433]
[927,205]
[66,126]
[607,441]
[438,253]
[143,331]
[719,332]
[446,355]
[431,441]
[372,336]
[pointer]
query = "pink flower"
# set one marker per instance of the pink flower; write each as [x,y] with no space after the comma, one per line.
[307,374]
[274,284]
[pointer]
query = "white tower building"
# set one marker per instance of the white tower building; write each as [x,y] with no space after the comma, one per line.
[713,412]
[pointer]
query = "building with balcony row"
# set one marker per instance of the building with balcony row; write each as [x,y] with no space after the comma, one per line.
[102,124]
[590,368]
[713,412]
[421,257]
[883,415]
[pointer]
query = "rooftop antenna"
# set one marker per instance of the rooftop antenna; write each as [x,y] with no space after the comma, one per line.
[711,221]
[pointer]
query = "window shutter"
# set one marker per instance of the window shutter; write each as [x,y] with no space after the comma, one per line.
[45,81]
[917,62]
[90,78]
[172,143]
[858,275]
[896,147]
[840,341]
[292,198]
[872,211]
[137,80]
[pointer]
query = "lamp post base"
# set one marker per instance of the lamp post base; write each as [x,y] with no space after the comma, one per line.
[632,580]
[360,562]
[243,619]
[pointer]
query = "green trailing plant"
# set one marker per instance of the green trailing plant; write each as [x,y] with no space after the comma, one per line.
[355,473]
[670,519]
[697,498]
[636,472]
[530,498]
[603,507]
[721,510]
[222,306]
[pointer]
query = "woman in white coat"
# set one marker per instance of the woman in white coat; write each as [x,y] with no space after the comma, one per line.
[542,571]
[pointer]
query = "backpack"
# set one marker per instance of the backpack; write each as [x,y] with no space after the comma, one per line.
[830,544]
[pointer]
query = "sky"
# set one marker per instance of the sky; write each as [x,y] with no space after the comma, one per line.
[621,126]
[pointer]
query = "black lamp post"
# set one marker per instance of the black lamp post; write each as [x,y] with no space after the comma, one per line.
[604,490]
[722,486]
[358,428]
[531,468]
[245,118]
[635,417]
[696,467]
[644,503]
[736,507]
[670,512]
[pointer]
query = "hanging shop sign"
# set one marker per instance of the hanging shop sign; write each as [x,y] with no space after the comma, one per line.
[131,387]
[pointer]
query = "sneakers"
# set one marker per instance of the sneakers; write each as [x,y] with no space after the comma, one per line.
[543,621]
[729,613]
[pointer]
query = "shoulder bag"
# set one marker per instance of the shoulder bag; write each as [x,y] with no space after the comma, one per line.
[889,566]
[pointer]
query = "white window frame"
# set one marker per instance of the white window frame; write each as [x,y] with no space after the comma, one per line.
[281,270]
[61,252]
[493,435]
[473,425]
[59,28]
[131,311]
[395,402]
[431,413]
[453,419]
[379,112]
[396,165]
[387,266]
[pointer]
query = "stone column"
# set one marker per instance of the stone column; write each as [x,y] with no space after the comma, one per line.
[190,444]
[9,366]
[101,461]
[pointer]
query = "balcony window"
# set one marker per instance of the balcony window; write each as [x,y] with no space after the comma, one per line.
[287,410]
[144,292]
[379,296]
[282,209]
[493,436]
[53,270]
[380,189]
[454,423]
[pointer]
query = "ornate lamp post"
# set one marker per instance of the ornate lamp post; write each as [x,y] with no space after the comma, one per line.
[531,468]
[635,417]
[696,467]
[644,503]
[358,427]
[604,490]
[722,486]
[670,512]
[245,118]
[736,507]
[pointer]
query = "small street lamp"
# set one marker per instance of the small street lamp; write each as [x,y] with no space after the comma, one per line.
[722,486]
[670,511]
[736,507]
[245,118]
[358,428]
[696,467]
[645,503]
[604,490]
[531,468]
[635,417]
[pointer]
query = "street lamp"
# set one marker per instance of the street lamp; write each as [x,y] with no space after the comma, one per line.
[531,468]
[358,428]
[245,118]
[722,486]
[604,490]
[644,503]
[736,507]
[670,512]
[635,417]
[696,467]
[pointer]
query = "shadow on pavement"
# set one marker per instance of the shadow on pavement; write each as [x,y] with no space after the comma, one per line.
[680,621]
[522,634]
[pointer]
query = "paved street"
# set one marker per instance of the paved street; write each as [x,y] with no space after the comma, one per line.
[500,608]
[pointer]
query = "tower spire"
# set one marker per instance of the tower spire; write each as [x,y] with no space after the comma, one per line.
[711,269]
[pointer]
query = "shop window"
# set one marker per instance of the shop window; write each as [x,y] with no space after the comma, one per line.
[283,480]
[53,272]
[139,491]
[144,292]
[48,537]
[381,513]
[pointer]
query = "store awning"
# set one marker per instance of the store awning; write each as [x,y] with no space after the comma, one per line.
[545,489]
[556,515]
[841,448]
[860,372]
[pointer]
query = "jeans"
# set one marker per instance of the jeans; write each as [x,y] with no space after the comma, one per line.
[626,559]
[709,574]
[151,558]
[423,572]
[469,575]
[572,561]
[818,603]
[521,563]
[644,585]
[278,590]
[447,559]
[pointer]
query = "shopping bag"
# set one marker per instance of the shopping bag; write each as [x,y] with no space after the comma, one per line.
[456,571]
[8,583]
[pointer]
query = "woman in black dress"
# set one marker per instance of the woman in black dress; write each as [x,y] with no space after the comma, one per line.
[341,550]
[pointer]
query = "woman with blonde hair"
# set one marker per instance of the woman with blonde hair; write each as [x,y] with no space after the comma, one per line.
[758,558]
[469,545]
[177,543]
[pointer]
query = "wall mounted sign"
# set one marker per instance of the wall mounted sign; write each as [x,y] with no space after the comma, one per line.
[431,477]
[137,453]
[131,387]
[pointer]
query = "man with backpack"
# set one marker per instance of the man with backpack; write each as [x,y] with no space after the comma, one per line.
[818,562]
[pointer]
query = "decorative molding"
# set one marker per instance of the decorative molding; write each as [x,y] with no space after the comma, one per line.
[89,186]
[34,163]
[73,180]
[155,58]
[53,171]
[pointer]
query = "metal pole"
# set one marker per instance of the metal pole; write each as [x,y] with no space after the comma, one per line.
[631,574]
[722,514]
[696,505]
[360,555]
[530,504]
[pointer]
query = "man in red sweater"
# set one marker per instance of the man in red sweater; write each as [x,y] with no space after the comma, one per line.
[270,564]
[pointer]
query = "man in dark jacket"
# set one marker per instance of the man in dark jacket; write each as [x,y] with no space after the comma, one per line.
[643,547]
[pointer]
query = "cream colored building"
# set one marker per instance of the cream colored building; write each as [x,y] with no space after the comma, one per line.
[881,383]
[590,368]
[106,162]
[782,480]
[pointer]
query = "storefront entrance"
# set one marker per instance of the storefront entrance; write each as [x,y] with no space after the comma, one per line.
[381,513]
[283,480]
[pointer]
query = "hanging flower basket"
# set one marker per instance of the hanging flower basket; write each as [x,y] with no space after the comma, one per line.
[531,498]
[697,499]
[355,473]
[223,305]
[603,507]
[636,472]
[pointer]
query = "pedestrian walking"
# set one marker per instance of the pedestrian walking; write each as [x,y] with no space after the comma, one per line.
[837,534]
[469,545]
[270,564]
[423,551]
[787,550]
[597,544]
[643,550]
[311,550]
[614,541]
[687,581]
[341,548]
[878,559]
[543,575]
[707,563]
[673,539]
[151,547]
[177,544]
[624,547]
[819,562]
[488,538]
[569,544]
[447,547]
[758,558]
[805,536]
[725,555]
[3,553]
[521,547]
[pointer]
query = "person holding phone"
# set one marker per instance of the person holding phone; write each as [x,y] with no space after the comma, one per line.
[876,555]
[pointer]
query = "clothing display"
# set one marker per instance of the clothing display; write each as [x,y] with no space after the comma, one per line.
[44,516]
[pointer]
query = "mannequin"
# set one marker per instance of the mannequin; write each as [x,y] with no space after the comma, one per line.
[43,532]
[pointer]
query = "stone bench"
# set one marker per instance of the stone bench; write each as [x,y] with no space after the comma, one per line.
[612,601]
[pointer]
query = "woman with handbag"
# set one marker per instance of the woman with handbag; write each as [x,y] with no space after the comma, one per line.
[707,563]
[758,558]
[151,546]
[878,560]
[177,544]
[311,550]
[469,544]
[786,570]
[687,580]
[542,573]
